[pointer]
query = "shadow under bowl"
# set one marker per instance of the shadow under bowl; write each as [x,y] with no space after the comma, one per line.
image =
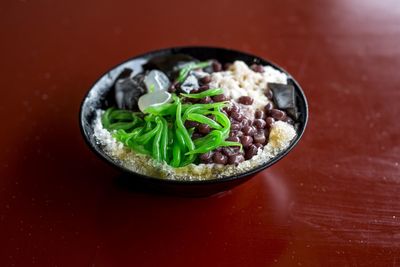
[96,98]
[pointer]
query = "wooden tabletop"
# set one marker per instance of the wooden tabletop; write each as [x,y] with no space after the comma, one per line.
[333,201]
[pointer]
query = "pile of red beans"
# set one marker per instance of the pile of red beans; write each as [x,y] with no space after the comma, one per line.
[253,134]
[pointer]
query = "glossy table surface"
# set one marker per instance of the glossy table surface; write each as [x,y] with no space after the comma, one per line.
[333,201]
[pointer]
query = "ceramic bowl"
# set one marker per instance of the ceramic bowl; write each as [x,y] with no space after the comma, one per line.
[97,95]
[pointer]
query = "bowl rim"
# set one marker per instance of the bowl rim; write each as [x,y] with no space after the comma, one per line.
[196,182]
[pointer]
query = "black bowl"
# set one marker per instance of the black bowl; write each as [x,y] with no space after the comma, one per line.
[97,98]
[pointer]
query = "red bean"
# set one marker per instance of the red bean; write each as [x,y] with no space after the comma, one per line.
[188,100]
[220,158]
[257,68]
[190,124]
[216,66]
[246,140]
[205,79]
[260,138]
[211,117]
[194,100]
[235,133]
[235,159]
[277,114]
[229,151]
[258,145]
[288,120]
[206,100]
[245,100]
[269,94]
[204,129]
[196,135]
[259,114]
[172,88]
[235,108]
[233,139]
[227,110]
[227,66]
[219,98]
[268,107]
[266,132]
[235,126]
[246,122]
[248,130]
[206,157]
[259,123]
[237,116]
[203,88]
[250,151]
[269,121]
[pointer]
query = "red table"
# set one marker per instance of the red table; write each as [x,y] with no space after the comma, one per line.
[333,201]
